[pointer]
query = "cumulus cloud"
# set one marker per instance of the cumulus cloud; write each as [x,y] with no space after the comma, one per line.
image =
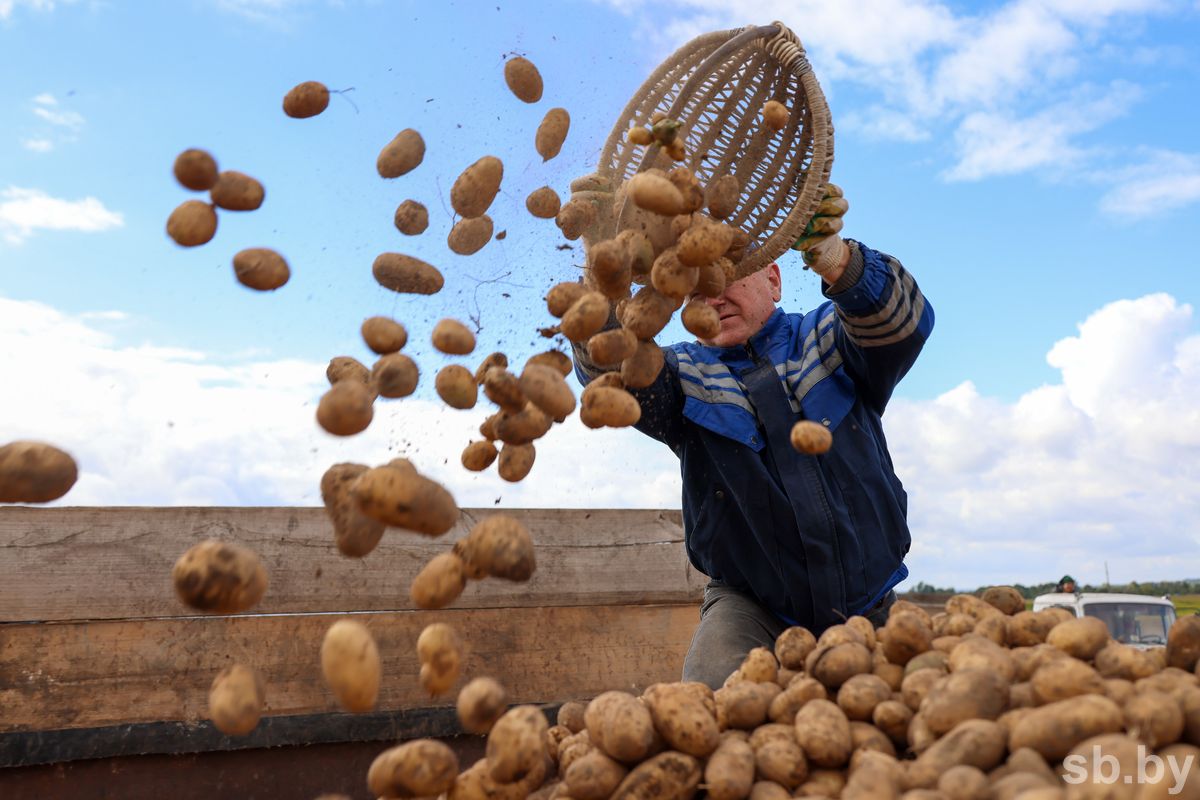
[155,425]
[1103,466]
[24,211]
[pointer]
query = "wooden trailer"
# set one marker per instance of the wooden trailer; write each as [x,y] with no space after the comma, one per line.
[104,674]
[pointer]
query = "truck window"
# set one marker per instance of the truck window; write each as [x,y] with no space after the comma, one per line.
[1134,623]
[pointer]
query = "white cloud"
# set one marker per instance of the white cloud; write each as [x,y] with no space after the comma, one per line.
[37,145]
[1160,181]
[7,7]
[24,211]
[71,120]
[153,425]
[1103,466]
[45,99]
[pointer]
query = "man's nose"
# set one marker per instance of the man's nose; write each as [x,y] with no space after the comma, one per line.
[715,302]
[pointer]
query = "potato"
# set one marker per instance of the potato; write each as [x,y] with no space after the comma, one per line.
[493,360]
[917,684]
[351,666]
[666,776]
[260,268]
[420,768]
[1183,643]
[994,627]
[1155,718]
[1053,729]
[768,790]
[610,348]
[823,784]
[621,726]
[395,375]
[555,359]
[456,386]
[655,193]
[647,313]
[905,636]
[475,189]
[440,651]
[453,338]
[823,731]
[504,389]
[570,715]
[401,155]
[523,79]
[1184,784]
[515,461]
[192,223]
[439,583]
[782,762]
[672,277]
[930,659]
[1118,660]
[975,742]
[1061,678]
[704,242]
[384,335]
[963,782]
[901,607]
[793,646]
[980,653]
[860,694]
[196,170]
[701,320]
[546,388]
[1005,598]
[710,280]
[729,773]
[478,456]
[411,218]
[834,664]
[593,776]
[775,115]
[306,100]
[237,191]
[355,534]
[480,704]
[611,407]
[573,748]
[468,236]
[689,188]
[811,438]
[347,368]
[642,368]
[892,674]
[639,250]
[585,317]
[682,719]
[33,472]
[219,577]
[548,141]
[722,196]
[405,499]
[609,269]
[962,695]
[575,217]
[563,295]
[893,717]
[406,275]
[543,203]
[800,690]
[236,700]
[500,546]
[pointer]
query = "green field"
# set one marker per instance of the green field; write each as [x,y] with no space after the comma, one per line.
[1186,604]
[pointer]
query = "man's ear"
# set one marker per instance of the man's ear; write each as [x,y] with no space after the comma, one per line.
[776,281]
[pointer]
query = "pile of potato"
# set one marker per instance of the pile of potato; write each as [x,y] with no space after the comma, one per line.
[983,700]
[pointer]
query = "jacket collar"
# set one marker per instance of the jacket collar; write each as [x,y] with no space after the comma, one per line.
[775,330]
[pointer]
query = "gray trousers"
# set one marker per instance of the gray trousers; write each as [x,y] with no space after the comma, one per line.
[732,624]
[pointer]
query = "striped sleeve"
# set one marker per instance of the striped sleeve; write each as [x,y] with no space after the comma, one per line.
[884,320]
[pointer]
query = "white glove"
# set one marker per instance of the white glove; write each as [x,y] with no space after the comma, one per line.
[822,247]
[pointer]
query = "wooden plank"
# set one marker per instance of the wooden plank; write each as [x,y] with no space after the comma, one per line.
[115,563]
[79,675]
[284,772]
[29,748]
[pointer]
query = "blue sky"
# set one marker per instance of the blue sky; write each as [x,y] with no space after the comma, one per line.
[1034,163]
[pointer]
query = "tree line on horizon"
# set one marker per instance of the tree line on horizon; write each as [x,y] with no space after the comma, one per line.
[1152,588]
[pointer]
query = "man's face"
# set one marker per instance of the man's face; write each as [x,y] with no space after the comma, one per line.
[745,306]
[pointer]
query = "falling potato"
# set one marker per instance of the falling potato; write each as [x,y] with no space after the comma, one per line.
[395,375]
[192,224]
[456,386]
[439,583]
[468,236]
[384,335]
[480,703]
[453,338]
[237,191]
[351,666]
[475,189]
[346,409]
[440,651]
[306,100]
[478,456]
[552,132]
[811,438]
[261,268]
[401,155]
[411,218]
[406,274]
[195,169]
[236,700]
[33,472]
[219,577]
[523,79]
[775,115]
[543,203]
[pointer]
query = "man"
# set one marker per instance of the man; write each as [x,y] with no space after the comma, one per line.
[1066,584]
[787,538]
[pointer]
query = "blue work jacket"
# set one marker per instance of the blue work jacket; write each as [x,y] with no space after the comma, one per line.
[813,538]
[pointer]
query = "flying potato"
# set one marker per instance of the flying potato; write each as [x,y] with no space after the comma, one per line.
[346,409]
[237,191]
[456,386]
[453,338]
[306,100]
[552,132]
[33,472]
[219,577]
[401,155]
[261,268]
[523,79]
[195,169]
[192,223]
[475,189]
[406,275]
[236,700]
[468,236]
[411,218]
[351,665]
[384,335]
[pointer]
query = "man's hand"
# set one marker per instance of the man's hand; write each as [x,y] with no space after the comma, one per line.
[825,253]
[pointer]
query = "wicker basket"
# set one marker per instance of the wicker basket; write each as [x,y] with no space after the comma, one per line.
[716,86]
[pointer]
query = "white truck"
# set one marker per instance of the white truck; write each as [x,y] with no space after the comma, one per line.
[1134,619]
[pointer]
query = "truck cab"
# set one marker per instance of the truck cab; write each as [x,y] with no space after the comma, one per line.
[1133,619]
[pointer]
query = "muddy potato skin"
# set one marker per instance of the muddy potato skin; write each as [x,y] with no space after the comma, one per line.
[1053,729]
[546,388]
[555,359]
[500,546]
[543,203]
[235,700]
[441,653]
[475,189]
[384,335]
[195,169]
[355,534]
[610,348]
[516,460]
[516,744]
[351,666]
[306,100]
[775,115]
[666,776]
[406,275]
[682,720]
[401,155]
[404,499]
[593,776]
[642,368]
[237,191]
[411,218]
[219,577]
[585,317]
[655,193]
[346,409]
[478,456]
[701,320]
[620,725]
[453,338]
[722,196]
[811,438]
[823,731]
[610,407]
[523,79]
[261,268]
[456,386]
[192,223]
[421,768]
[34,472]
[480,704]
[468,236]
[394,375]
[548,140]
[729,773]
